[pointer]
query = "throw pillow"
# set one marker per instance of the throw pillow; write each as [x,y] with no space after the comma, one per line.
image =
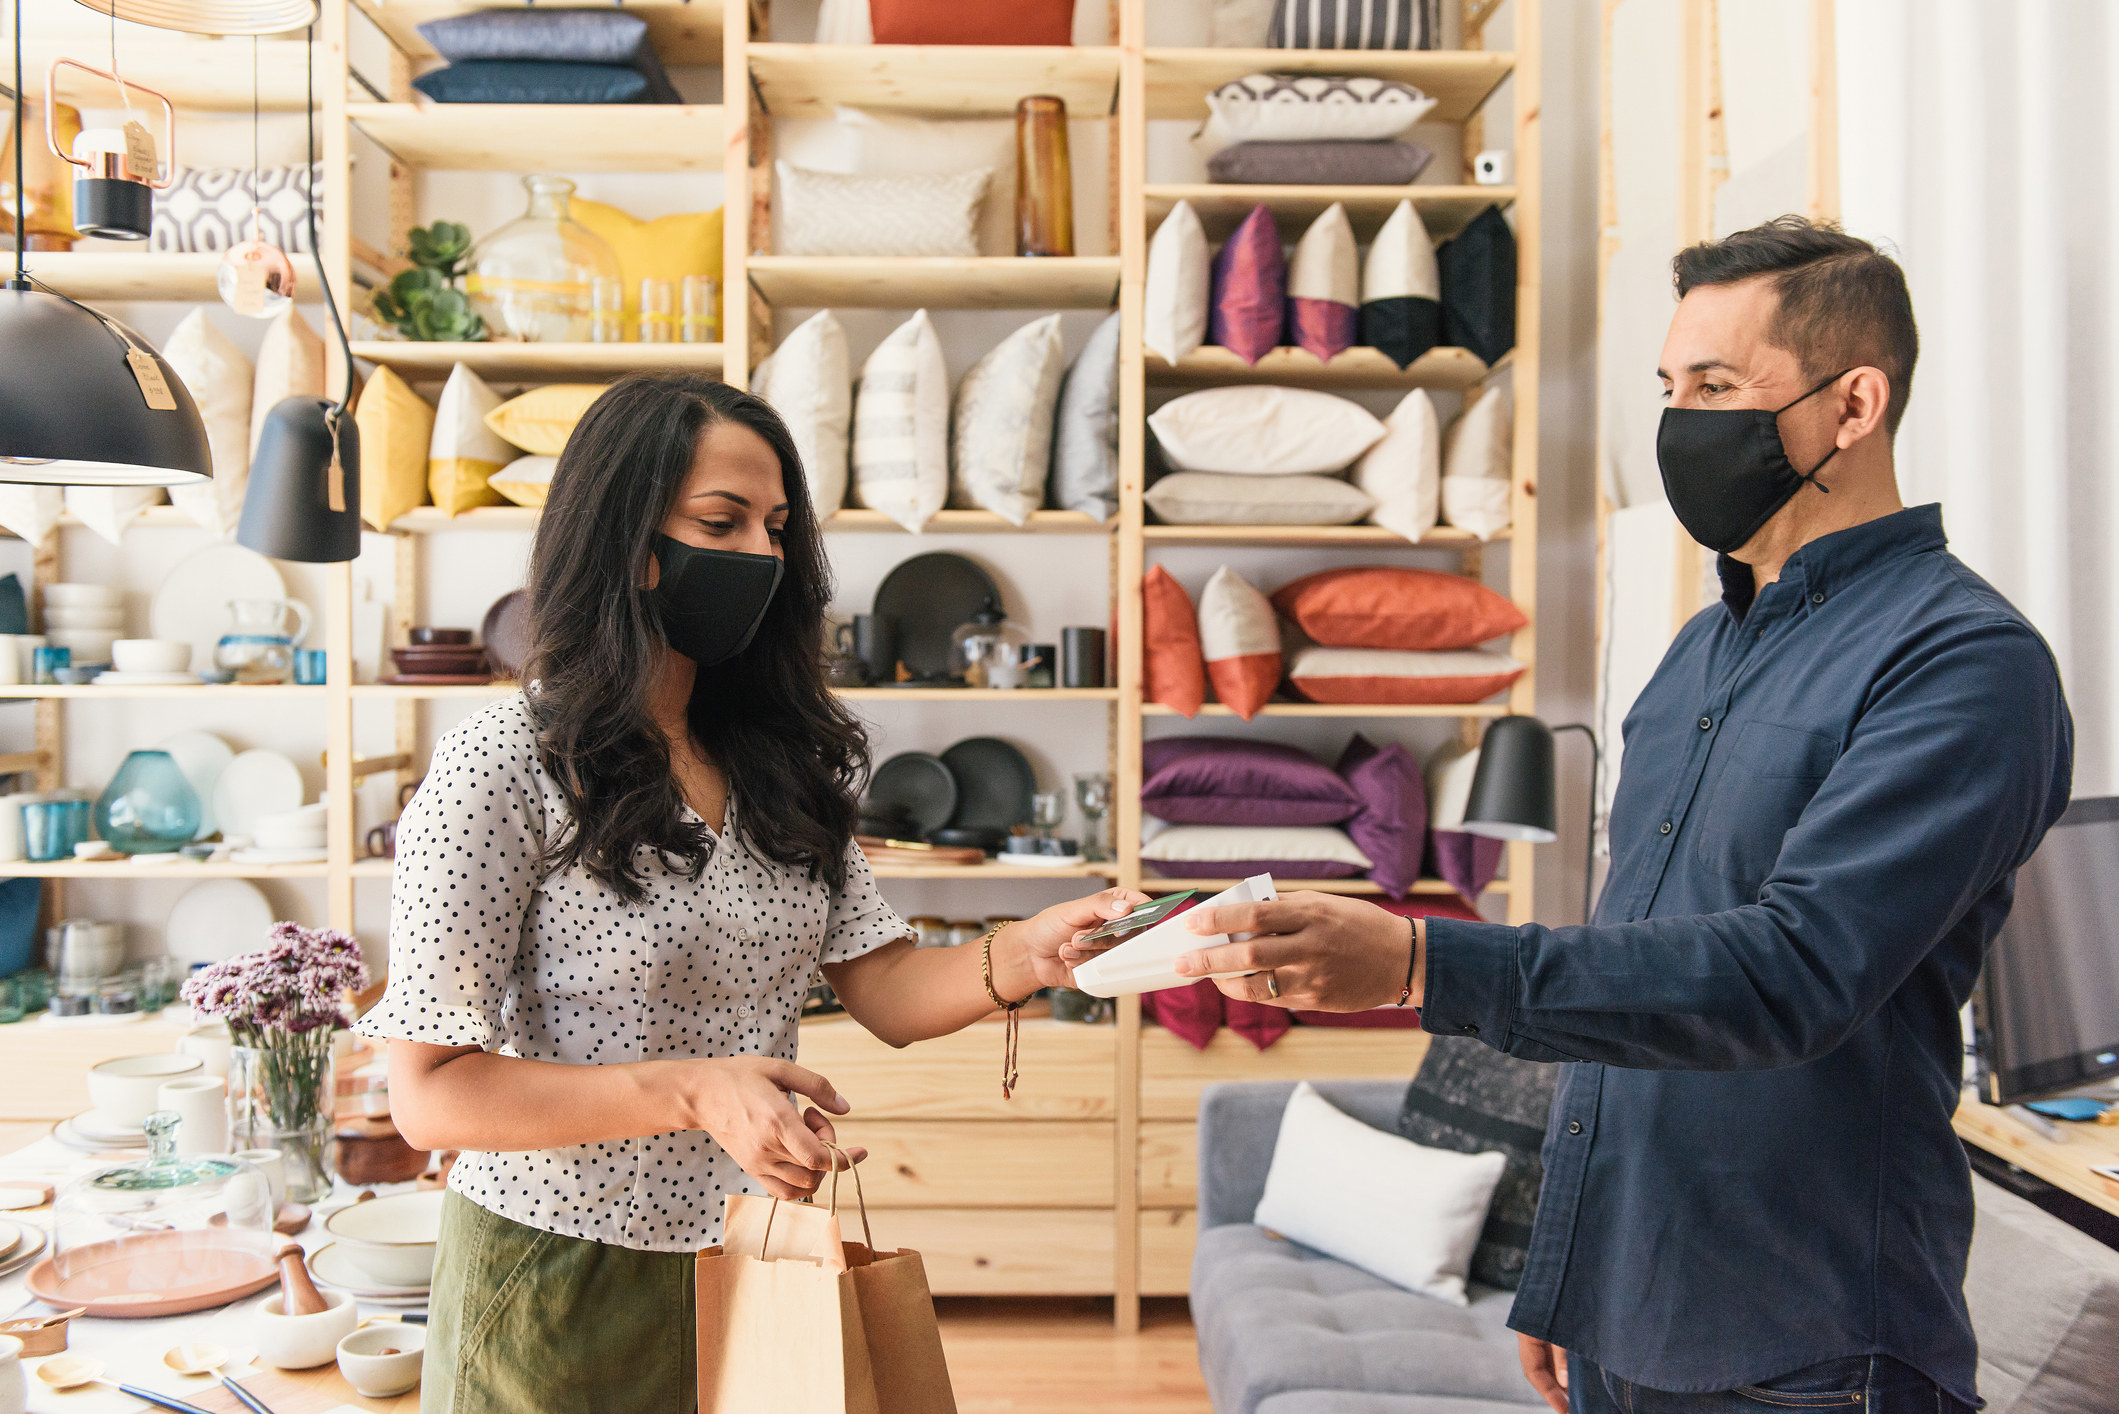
[1310,108]
[1391,825]
[1085,429]
[1174,303]
[1465,861]
[1382,675]
[1364,24]
[1215,780]
[666,248]
[396,428]
[517,81]
[1172,670]
[1404,470]
[807,381]
[1239,24]
[1192,1014]
[892,145]
[541,420]
[1239,851]
[209,209]
[465,452]
[107,510]
[1402,1211]
[526,481]
[844,22]
[901,426]
[1324,286]
[1240,639]
[1263,431]
[1401,309]
[1449,775]
[589,35]
[1470,1098]
[31,512]
[1477,475]
[1209,498]
[1001,438]
[952,22]
[1387,606]
[825,213]
[290,365]
[1347,164]
[1477,268]
[219,379]
[1250,289]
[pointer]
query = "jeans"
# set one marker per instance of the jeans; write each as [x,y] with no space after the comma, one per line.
[1860,1384]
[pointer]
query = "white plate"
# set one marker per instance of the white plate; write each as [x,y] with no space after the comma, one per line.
[257,782]
[1044,861]
[280,856]
[91,1124]
[332,1267]
[114,678]
[192,601]
[64,1133]
[201,756]
[218,919]
[33,1243]
[11,1237]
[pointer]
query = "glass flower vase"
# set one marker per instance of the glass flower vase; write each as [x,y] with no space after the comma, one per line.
[149,806]
[534,279]
[281,1096]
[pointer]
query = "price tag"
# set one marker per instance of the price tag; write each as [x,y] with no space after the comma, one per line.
[248,296]
[335,473]
[142,163]
[153,386]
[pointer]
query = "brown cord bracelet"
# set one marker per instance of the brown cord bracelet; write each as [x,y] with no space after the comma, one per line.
[1012,1043]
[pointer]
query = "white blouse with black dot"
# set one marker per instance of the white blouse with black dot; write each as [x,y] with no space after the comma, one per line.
[483,953]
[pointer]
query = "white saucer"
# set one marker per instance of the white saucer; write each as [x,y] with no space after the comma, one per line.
[64,1133]
[333,1268]
[1045,861]
[115,678]
[26,1251]
[90,1124]
[280,856]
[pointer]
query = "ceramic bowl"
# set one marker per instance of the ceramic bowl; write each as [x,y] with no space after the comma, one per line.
[425,636]
[83,596]
[288,829]
[150,655]
[123,1089]
[374,1374]
[88,645]
[391,1239]
[64,618]
[303,1342]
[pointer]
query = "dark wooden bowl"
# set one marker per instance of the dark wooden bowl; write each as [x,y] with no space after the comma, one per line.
[370,1150]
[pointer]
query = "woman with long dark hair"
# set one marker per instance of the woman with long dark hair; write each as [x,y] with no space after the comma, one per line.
[611,894]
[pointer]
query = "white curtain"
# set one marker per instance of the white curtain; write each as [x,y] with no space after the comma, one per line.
[1981,141]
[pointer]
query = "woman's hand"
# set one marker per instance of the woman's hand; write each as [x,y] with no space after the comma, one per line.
[1319,952]
[1041,951]
[742,1101]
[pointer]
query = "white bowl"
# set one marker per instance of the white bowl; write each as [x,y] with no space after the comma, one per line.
[288,830]
[123,1089]
[378,1376]
[391,1239]
[83,596]
[150,655]
[88,645]
[65,618]
[303,1342]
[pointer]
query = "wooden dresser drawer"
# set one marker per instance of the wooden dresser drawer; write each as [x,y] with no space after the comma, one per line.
[987,1163]
[1068,1071]
[995,1252]
[1166,1240]
[1172,1073]
[1169,1163]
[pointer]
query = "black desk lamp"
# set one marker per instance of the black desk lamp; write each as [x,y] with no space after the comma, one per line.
[1513,790]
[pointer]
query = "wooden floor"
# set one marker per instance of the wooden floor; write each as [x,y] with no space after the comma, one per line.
[1045,1356]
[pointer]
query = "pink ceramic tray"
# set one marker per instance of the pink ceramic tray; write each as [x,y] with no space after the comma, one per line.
[154,1274]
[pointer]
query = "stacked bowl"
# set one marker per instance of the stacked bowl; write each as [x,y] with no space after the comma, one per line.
[84,619]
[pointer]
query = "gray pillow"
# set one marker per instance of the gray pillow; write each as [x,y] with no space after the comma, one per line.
[209,208]
[1085,429]
[1365,24]
[1471,1099]
[1380,164]
[604,35]
[513,81]
[1212,498]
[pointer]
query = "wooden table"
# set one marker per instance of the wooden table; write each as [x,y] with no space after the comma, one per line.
[2065,1163]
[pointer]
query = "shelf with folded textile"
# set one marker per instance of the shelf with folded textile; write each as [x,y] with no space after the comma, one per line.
[547,137]
[1444,210]
[1459,80]
[683,32]
[811,80]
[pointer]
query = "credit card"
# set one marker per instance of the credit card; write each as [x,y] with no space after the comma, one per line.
[1147,915]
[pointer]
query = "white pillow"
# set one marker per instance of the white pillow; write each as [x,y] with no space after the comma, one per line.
[808,383]
[1235,24]
[31,511]
[1476,475]
[460,430]
[1401,260]
[901,426]
[1310,108]
[526,481]
[1449,775]
[892,145]
[826,213]
[844,22]
[1001,440]
[290,365]
[1399,677]
[1404,470]
[1174,302]
[1085,429]
[220,380]
[1399,1210]
[1268,431]
[107,510]
[1209,498]
[1232,844]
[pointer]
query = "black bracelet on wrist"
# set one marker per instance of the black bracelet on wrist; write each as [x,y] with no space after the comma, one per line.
[1412,962]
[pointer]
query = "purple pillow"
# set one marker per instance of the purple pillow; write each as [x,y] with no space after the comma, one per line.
[1210,780]
[1245,868]
[1391,826]
[1465,861]
[1250,289]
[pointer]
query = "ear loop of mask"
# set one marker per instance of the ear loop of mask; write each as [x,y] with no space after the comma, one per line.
[1811,475]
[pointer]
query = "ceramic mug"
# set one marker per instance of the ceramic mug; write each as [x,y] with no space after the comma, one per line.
[14,1390]
[201,1106]
[11,656]
[270,1163]
[13,844]
[211,1044]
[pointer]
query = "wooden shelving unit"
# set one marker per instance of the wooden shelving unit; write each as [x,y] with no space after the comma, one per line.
[1221,206]
[934,282]
[683,31]
[1449,370]
[564,137]
[539,363]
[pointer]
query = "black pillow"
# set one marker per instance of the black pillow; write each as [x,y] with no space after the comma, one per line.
[1477,271]
[1471,1099]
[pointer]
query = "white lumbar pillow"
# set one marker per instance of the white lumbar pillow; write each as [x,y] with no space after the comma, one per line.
[1002,439]
[901,426]
[1174,300]
[1263,431]
[1400,1210]
[1226,844]
[1404,470]
[808,383]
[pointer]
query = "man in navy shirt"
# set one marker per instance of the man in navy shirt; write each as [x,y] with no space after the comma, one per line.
[1753,1198]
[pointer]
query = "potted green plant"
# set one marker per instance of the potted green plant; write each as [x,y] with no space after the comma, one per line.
[423,303]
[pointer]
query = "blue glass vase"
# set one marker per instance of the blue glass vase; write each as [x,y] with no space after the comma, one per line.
[148,807]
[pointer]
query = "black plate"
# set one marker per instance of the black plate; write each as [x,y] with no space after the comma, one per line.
[917,786]
[988,840]
[994,784]
[928,598]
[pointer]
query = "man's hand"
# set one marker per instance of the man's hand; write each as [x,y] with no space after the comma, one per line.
[1318,952]
[1545,1364]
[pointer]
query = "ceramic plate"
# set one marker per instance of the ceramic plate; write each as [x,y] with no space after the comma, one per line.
[506,633]
[154,1274]
[927,598]
[33,1242]
[90,1124]
[331,1267]
[192,601]
[11,1237]
[65,1134]
[994,784]
[255,783]
[201,756]
[917,786]
[218,919]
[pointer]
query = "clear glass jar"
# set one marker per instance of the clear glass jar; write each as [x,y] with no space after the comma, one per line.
[534,279]
[280,1096]
[986,651]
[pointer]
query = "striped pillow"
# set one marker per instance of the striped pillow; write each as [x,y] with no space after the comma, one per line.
[1356,24]
[901,426]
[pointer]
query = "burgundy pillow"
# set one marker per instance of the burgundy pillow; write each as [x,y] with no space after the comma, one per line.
[1245,868]
[1206,780]
[1391,826]
[1257,1022]
[1250,289]
[1193,1014]
[1467,862]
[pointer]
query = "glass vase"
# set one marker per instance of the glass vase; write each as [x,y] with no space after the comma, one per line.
[1044,181]
[534,279]
[280,1096]
[149,806]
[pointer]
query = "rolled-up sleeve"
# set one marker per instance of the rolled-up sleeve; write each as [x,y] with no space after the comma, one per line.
[860,920]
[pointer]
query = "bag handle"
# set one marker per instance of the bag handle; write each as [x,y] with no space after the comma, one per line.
[765,1242]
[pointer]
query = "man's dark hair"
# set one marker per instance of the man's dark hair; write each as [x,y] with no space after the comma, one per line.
[1843,302]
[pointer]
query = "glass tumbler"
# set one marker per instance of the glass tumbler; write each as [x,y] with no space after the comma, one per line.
[658,318]
[697,297]
[607,310]
[1092,792]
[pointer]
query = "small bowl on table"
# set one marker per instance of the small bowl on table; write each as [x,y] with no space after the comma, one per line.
[391,1239]
[383,1359]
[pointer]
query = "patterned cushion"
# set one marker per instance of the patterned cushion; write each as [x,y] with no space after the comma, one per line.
[1349,164]
[208,209]
[901,425]
[1471,1098]
[1356,24]
[1001,441]
[824,213]
[1310,108]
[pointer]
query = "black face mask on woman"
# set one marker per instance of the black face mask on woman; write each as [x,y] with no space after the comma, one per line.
[710,602]
[1726,470]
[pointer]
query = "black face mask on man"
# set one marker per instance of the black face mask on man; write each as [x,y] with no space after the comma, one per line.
[711,602]
[1726,470]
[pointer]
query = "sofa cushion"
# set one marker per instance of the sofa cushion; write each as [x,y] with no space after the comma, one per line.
[1349,1401]
[1273,1317]
[2045,1303]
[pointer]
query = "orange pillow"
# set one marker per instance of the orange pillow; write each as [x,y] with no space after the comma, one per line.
[1240,640]
[1175,673]
[956,22]
[1380,606]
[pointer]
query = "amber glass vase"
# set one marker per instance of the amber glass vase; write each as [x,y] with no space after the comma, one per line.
[1044,182]
[49,180]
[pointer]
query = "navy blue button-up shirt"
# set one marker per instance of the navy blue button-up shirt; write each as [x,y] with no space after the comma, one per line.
[1828,786]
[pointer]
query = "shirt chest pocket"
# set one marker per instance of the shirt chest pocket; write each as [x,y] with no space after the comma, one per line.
[1757,787]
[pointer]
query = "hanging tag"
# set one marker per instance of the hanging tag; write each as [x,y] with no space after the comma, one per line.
[153,386]
[335,473]
[248,297]
[142,163]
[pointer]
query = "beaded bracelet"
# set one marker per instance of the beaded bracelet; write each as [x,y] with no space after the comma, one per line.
[1013,1027]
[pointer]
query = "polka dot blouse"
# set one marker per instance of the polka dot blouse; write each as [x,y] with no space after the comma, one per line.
[484,953]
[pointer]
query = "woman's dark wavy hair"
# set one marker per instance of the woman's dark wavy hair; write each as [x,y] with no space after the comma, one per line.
[792,754]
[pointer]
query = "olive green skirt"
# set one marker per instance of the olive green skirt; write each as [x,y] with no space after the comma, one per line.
[524,1320]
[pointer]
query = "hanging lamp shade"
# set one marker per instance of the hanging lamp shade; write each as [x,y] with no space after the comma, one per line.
[73,412]
[300,503]
[1512,789]
[211,16]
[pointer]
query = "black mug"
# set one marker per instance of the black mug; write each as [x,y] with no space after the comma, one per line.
[1081,657]
[875,643]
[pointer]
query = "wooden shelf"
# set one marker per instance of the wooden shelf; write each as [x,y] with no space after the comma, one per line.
[1442,537]
[809,80]
[683,32]
[276,692]
[408,692]
[978,694]
[1211,366]
[545,137]
[1444,210]
[98,275]
[1178,80]
[428,520]
[993,869]
[125,871]
[206,72]
[1151,883]
[936,282]
[1447,711]
[531,362]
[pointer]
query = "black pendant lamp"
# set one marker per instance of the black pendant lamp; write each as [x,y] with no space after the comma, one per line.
[1513,789]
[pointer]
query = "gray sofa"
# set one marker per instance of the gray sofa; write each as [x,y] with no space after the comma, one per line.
[1285,1330]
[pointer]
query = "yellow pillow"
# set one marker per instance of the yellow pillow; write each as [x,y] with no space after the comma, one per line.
[395,426]
[541,420]
[667,248]
[465,452]
[526,480]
